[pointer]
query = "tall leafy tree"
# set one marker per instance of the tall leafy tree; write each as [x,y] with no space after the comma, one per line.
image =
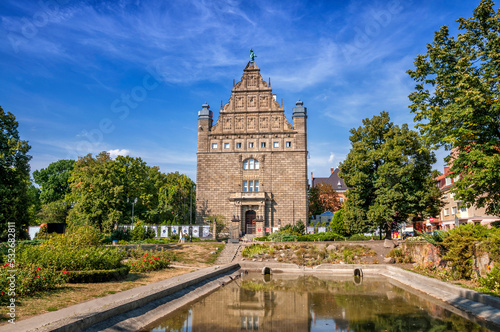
[456,102]
[97,193]
[53,180]
[14,177]
[388,171]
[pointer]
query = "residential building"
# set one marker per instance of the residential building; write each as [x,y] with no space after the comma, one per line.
[335,181]
[453,212]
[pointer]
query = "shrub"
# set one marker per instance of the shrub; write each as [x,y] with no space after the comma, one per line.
[282,236]
[140,232]
[492,280]
[29,280]
[98,275]
[121,234]
[261,238]
[150,261]
[361,237]
[255,250]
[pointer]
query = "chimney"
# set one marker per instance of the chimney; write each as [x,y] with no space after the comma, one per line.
[312,184]
[446,170]
[331,170]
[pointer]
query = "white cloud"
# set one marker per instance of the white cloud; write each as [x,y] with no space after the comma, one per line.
[118,152]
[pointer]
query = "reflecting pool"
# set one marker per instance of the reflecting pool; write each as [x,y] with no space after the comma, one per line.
[309,303]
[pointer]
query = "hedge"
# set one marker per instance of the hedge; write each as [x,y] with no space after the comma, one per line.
[92,276]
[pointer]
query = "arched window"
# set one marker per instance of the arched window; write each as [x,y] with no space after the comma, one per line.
[251,164]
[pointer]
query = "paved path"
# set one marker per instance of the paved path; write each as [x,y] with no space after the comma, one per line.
[228,253]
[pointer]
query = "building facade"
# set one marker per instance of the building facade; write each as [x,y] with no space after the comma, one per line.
[453,212]
[252,163]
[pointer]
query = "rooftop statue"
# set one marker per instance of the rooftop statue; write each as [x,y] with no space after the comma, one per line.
[252,56]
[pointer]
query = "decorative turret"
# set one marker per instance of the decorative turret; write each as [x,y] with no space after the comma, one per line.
[299,110]
[205,113]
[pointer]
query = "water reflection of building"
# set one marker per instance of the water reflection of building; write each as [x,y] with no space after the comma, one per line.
[234,308]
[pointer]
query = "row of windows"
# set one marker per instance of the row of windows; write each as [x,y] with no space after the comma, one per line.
[251,145]
[252,185]
[251,164]
[453,211]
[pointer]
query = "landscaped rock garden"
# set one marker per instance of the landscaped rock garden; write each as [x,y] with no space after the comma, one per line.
[311,254]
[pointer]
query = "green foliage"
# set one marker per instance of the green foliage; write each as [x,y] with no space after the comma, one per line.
[492,280]
[15,201]
[435,238]
[400,256]
[282,236]
[121,234]
[389,173]
[459,246]
[77,250]
[361,237]
[145,261]
[93,276]
[261,238]
[140,232]
[327,236]
[53,212]
[337,225]
[53,180]
[456,101]
[255,250]
[29,279]
[104,191]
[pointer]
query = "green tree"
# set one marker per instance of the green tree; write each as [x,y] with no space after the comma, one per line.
[456,101]
[53,180]
[175,198]
[315,207]
[388,171]
[14,177]
[337,224]
[97,193]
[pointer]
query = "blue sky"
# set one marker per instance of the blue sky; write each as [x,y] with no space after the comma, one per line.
[130,76]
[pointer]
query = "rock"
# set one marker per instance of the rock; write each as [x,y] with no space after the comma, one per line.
[282,255]
[276,259]
[331,247]
[254,260]
[294,256]
[389,260]
[243,259]
[388,244]
[260,259]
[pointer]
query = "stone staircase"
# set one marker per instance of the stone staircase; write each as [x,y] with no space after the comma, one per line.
[228,253]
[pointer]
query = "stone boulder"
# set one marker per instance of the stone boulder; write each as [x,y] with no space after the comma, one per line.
[388,243]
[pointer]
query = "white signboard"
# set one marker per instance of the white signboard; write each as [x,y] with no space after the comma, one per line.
[206,231]
[175,230]
[196,231]
[276,229]
[33,230]
[310,230]
[321,229]
[185,230]
[163,231]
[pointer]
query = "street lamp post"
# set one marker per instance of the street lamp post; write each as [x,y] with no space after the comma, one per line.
[133,203]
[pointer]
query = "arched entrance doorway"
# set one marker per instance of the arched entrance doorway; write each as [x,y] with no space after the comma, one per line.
[250,217]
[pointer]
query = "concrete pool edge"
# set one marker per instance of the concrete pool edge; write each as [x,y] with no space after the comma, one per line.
[196,284]
[83,315]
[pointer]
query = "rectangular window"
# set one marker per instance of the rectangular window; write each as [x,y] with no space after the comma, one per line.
[262,144]
[464,209]
[238,145]
[245,186]
[446,212]
[256,185]
[454,210]
[214,145]
[448,181]
[250,185]
[226,145]
[288,144]
[250,145]
[276,144]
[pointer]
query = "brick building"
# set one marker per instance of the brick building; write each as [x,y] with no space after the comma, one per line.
[335,181]
[252,163]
